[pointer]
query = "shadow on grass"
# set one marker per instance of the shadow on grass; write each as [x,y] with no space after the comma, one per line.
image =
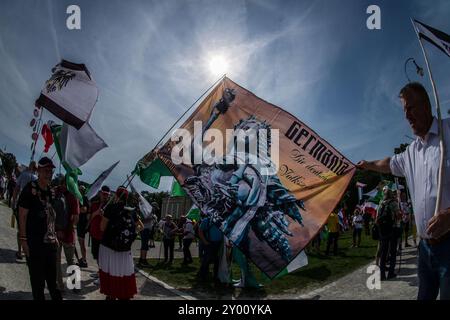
[210,290]
[174,268]
[153,290]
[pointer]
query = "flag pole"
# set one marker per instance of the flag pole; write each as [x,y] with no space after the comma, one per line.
[192,105]
[441,133]
[42,152]
[129,179]
[37,131]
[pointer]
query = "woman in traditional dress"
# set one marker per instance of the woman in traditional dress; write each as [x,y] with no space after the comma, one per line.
[120,225]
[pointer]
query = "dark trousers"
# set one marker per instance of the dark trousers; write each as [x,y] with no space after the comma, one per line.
[42,268]
[180,241]
[332,239]
[187,257]
[211,256]
[367,228]
[357,236]
[169,245]
[388,246]
[145,238]
[434,270]
[316,241]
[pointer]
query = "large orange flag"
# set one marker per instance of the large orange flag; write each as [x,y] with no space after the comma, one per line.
[270,217]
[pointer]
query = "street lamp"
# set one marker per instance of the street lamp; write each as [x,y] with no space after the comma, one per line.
[419,70]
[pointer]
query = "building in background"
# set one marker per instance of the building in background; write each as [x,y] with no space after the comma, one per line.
[176,206]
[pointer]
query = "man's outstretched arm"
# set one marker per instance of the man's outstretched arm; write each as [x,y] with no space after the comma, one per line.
[376,165]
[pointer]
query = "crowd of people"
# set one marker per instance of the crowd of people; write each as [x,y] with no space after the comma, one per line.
[50,220]
[392,226]
[47,216]
[207,235]
[106,218]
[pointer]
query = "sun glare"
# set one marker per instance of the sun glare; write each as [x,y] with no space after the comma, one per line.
[218,65]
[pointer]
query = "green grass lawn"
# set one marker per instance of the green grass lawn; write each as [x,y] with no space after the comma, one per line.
[320,271]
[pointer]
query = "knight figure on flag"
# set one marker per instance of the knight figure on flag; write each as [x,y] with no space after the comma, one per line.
[238,197]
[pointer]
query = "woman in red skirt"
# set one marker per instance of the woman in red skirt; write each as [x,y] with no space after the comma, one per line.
[120,225]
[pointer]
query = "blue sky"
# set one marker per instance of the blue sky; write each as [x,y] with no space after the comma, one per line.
[150,60]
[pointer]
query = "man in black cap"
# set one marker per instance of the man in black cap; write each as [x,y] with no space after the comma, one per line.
[37,232]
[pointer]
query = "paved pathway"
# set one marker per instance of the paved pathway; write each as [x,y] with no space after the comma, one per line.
[354,285]
[15,283]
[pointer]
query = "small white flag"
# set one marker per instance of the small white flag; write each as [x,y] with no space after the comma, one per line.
[145,207]
[78,146]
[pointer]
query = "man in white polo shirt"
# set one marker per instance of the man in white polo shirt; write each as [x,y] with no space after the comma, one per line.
[419,164]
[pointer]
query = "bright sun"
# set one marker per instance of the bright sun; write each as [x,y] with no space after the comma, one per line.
[218,65]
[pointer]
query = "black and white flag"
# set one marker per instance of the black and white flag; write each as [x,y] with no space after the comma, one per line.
[70,93]
[97,184]
[436,37]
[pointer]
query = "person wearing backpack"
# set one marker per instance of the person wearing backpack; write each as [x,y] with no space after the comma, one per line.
[67,210]
[387,214]
[120,226]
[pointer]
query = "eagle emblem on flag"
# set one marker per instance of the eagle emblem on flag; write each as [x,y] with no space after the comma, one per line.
[59,80]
